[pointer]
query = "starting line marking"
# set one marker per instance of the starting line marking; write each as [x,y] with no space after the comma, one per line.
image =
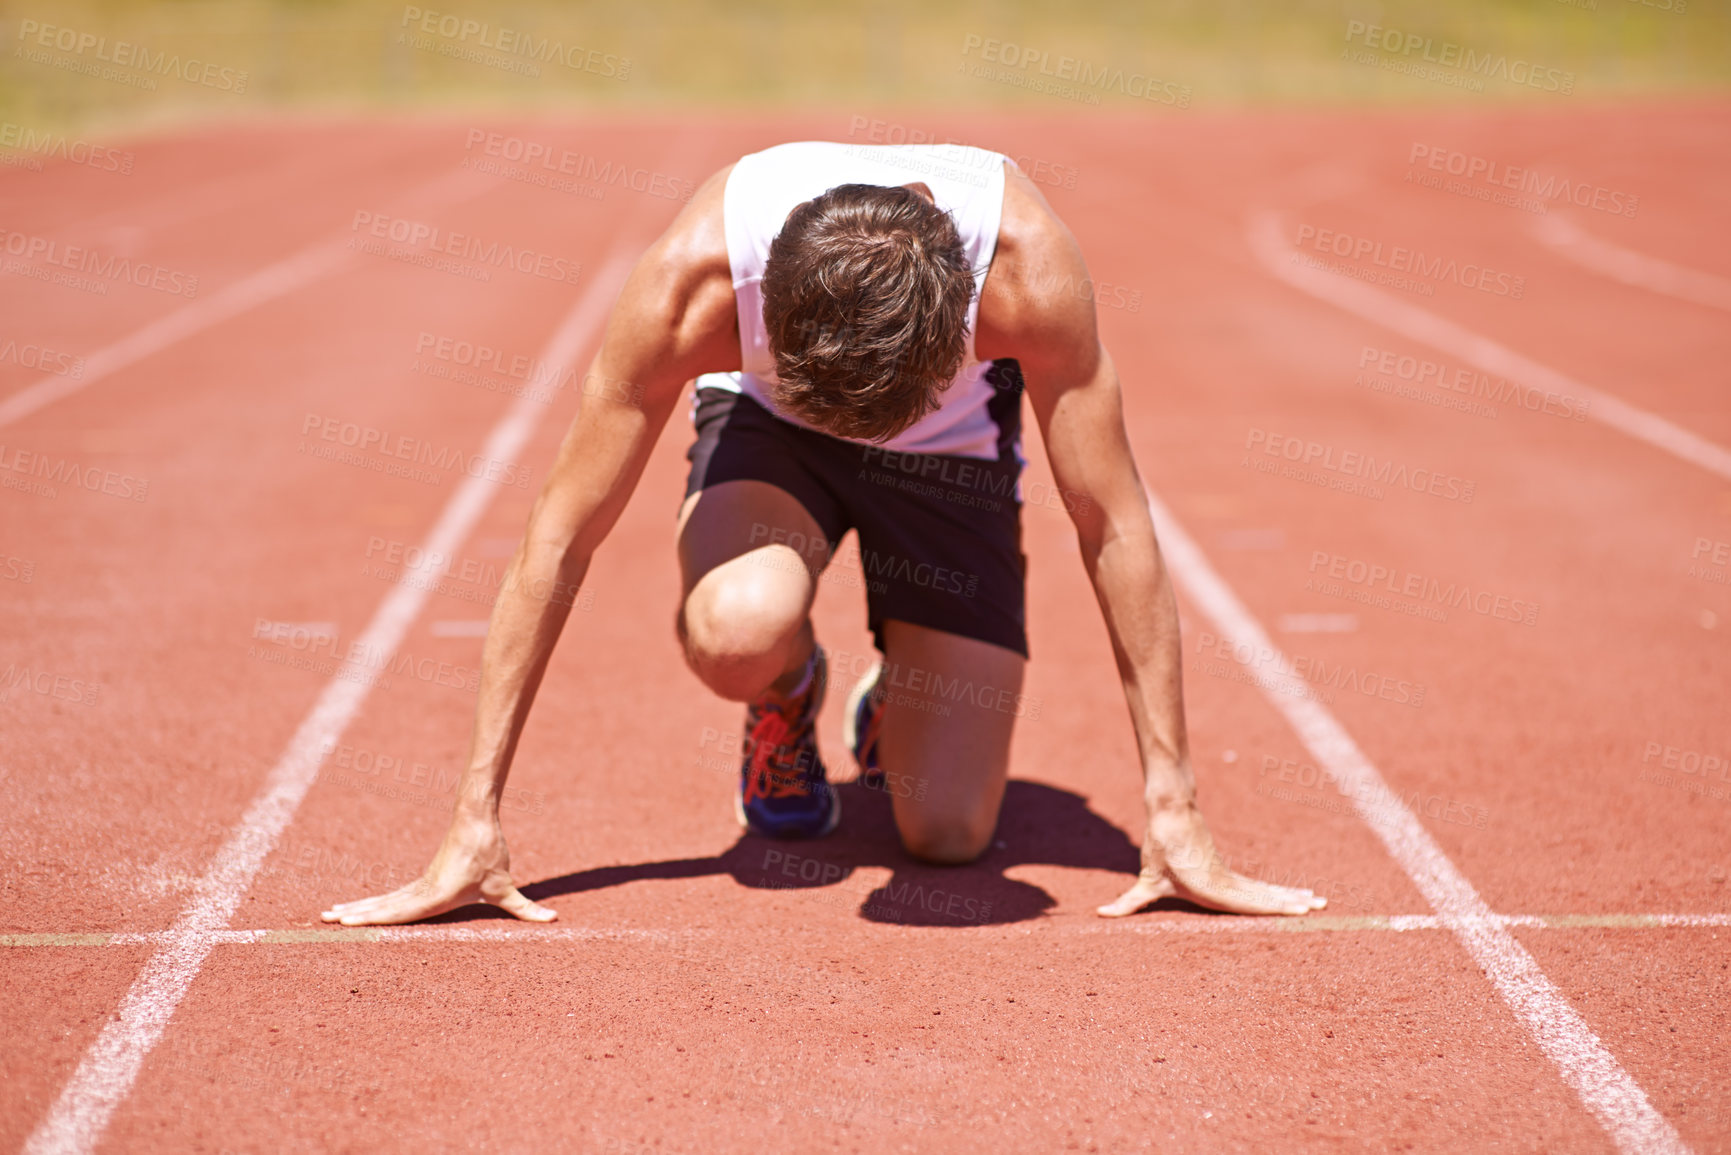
[541,936]
[1219,924]
[1269,244]
[109,1068]
[1586,1064]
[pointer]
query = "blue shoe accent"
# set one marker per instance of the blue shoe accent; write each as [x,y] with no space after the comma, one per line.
[783,790]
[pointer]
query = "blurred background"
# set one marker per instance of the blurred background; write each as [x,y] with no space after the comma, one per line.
[170,61]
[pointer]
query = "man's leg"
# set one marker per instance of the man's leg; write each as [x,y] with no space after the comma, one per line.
[749,556]
[949,707]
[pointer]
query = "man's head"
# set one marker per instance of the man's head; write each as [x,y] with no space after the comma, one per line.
[865,298]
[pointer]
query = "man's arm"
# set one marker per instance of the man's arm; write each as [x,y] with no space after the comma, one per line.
[675,318]
[1036,310]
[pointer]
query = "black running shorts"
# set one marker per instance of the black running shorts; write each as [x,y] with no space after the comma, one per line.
[940,536]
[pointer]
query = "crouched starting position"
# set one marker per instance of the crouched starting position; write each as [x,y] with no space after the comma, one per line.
[860,345]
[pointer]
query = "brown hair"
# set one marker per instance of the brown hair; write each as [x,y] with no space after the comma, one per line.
[865,299]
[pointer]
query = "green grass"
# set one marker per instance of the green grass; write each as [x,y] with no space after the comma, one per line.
[349,54]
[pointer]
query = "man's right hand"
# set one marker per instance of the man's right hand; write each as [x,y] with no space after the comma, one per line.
[1179,859]
[472,865]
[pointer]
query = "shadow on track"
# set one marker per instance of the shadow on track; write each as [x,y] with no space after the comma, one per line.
[1038,824]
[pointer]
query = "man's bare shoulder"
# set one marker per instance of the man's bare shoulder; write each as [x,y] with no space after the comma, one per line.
[1036,292]
[694,246]
[677,315]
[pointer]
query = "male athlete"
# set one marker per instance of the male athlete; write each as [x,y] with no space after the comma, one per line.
[860,344]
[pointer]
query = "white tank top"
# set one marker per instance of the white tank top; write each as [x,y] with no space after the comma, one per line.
[765,187]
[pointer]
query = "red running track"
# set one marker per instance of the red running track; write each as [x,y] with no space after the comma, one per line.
[698,993]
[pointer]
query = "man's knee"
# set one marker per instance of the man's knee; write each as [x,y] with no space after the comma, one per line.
[949,840]
[735,629]
[738,615]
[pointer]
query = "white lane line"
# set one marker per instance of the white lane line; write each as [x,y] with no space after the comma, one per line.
[1268,242]
[1586,1064]
[1631,267]
[111,1065]
[1213,924]
[285,276]
[341,935]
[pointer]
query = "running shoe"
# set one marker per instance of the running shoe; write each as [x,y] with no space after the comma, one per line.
[860,725]
[783,791]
